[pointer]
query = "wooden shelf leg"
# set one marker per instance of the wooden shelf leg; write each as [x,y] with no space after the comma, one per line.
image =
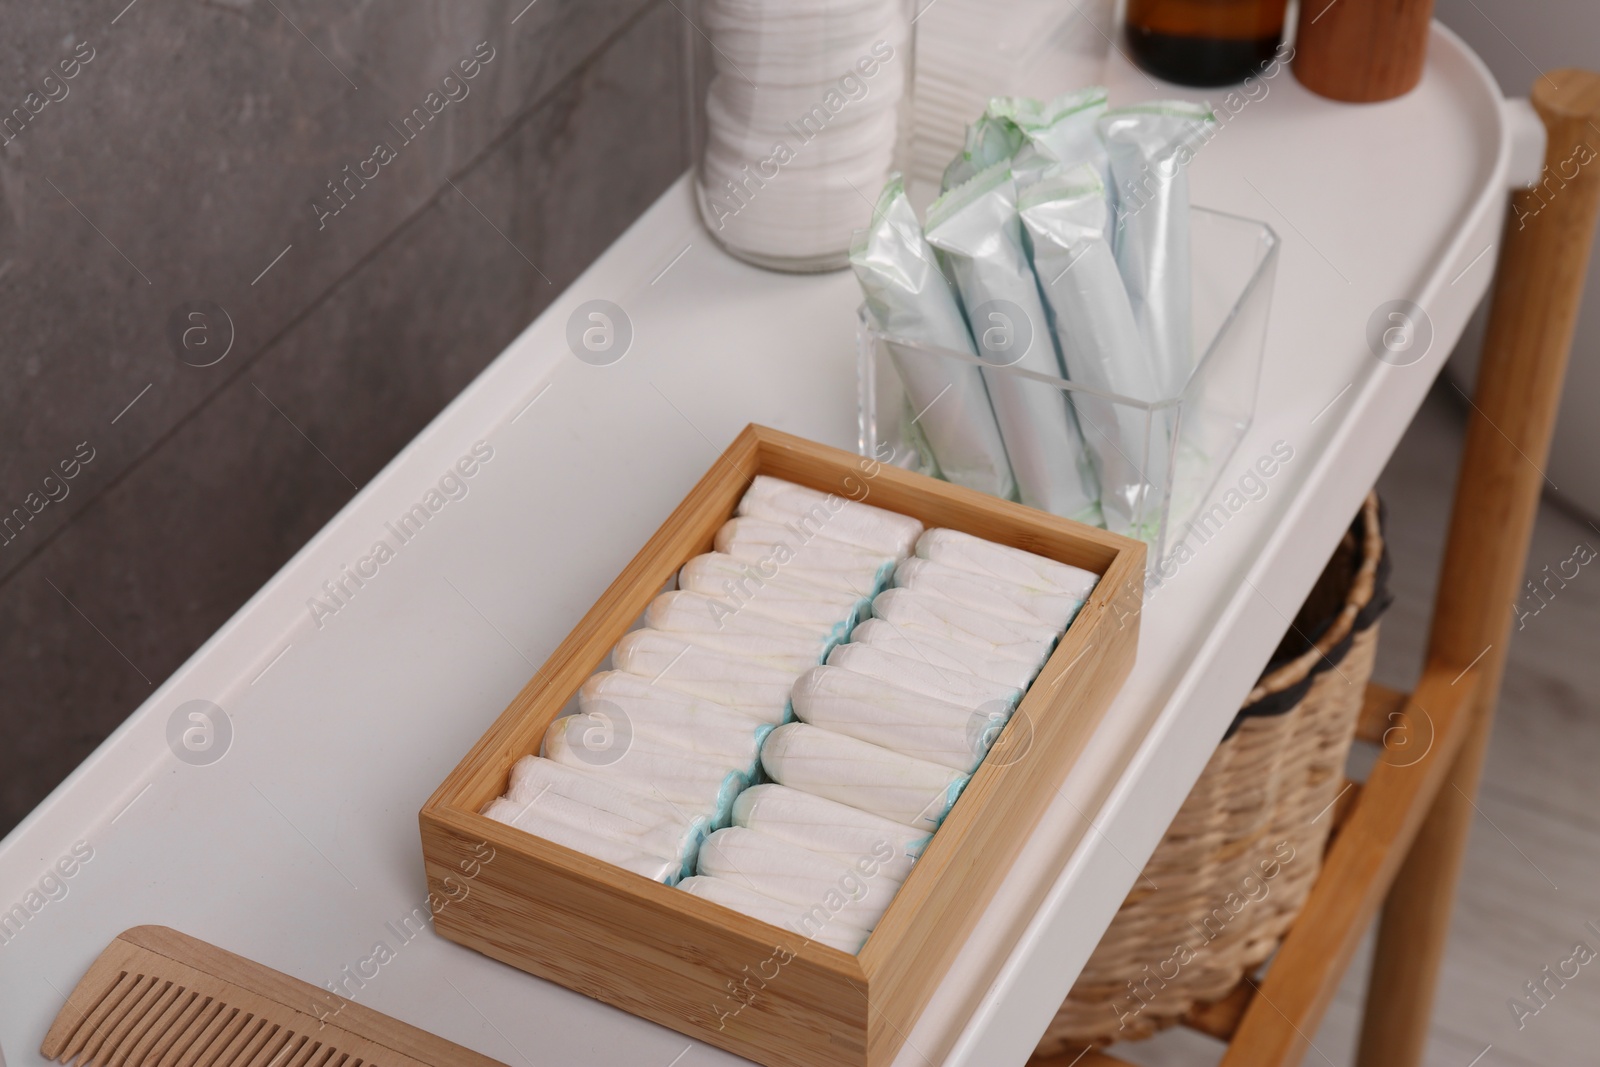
[1545,249]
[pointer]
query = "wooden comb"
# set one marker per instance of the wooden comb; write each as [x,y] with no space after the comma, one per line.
[158,998]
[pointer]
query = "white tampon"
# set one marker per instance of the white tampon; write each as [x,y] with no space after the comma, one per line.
[774,546]
[636,693]
[694,785]
[987,595]
[1027,569]
[612,734]
[920,674]
[827,826]
[908,609]
[735,583]
[855,892]
[831,515]
[866,776]
[909,723]
[665,660]
[945,654]
[830,930]
[628,857]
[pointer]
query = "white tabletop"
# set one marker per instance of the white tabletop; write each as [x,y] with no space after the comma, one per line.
[300,845]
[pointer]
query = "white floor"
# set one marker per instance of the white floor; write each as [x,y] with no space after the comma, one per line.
[1532,878]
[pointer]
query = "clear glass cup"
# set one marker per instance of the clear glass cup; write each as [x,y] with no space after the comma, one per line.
[800,111]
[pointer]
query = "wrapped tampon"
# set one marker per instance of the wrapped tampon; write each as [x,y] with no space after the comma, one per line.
[992,139]
[1057,134]
[730,740]
[620,815]
[866,776]
[831,515]
[910,610]
[636,694]
[775,548]
[827,826]
[857,892]
[912,724]
[985,594]
[1066,218]
[829,612]
[1004,563]
[668,660]
[618,854]
[831,930]
[921,674]
[696,784]
[908,297]
[945,654]
[1150,146]
[976,226]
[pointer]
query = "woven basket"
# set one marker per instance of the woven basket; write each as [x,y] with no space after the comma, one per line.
[1236,865]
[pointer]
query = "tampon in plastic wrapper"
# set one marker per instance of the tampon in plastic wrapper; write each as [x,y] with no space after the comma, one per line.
[857,893]
[671,662]
[775,548]
[920,674]
[669,836]
[697,786]
[629,858]
[945,654]
[833,931]
[976,226]
[1057,134]
[638,693]
[910,791]
[909,723]
[827,826]
[612,734]
[831,515]
[1066,218]
[1004,563]
[987,595]
[825,611]
[908,609]
[908,297]
[1150,146]
[991,139]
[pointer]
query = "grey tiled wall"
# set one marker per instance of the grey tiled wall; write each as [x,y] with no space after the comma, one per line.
[174,175]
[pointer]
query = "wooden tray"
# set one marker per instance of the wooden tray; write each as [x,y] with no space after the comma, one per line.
[719,976]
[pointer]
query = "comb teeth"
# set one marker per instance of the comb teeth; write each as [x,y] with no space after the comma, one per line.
[156,998]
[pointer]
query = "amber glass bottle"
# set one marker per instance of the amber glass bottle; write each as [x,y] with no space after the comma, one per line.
[1204,42]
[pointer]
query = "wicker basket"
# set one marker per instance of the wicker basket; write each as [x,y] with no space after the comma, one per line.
[1238,861]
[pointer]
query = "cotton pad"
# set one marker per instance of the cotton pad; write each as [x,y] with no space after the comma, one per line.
[987,595]
[668,836]
[829,827]
[637,695]
[627,857]
[611,735]
[1004,563]
[1150,146]
[909,723]
[696,785]
[908,298]
[775,549]
[862,775]
[944,654]
[920,674]
[821,610]
[831,515]
[975,225]
[833,931]
[668,660]
[1066,218]
[911,610]
[856,892]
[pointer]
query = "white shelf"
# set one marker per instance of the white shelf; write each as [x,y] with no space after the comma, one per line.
[301,845]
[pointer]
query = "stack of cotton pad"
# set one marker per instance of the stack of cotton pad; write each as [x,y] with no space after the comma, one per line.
[795,126]
[661,745]
[890,730]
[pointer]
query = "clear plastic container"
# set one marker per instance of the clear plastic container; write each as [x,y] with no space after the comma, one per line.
[1187,439]
[800,111]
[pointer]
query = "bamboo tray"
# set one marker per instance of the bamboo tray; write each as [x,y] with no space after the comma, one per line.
[711,973]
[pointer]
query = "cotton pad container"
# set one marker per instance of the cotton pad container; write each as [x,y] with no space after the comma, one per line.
[797,106]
